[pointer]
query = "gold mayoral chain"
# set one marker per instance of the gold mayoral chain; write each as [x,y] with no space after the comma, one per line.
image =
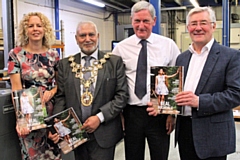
[79,70]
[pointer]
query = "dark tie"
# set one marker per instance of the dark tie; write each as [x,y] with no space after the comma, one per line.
[86,110]
[141,75]
[87,75]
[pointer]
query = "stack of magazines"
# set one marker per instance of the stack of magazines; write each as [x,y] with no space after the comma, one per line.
[31,113]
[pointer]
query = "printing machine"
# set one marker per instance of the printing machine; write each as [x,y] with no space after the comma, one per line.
[9,143]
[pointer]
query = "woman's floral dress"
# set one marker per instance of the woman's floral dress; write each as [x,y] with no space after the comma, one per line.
[38,70]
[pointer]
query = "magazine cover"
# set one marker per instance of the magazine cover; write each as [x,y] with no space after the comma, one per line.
[166,83]
[67,125]
[30,110]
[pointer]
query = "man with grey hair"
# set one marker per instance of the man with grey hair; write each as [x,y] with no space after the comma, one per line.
[206,130]
[94,84]
[140,125]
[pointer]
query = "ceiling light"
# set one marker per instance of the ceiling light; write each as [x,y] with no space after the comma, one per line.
[99,4]
[135,1]
[194,3]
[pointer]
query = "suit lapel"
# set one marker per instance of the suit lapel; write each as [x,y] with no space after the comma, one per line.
[99,75]
[208,67]
[185,66]
[77,80]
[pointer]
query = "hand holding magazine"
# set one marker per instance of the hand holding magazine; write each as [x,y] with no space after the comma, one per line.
[67,125]
[29,108]
[166,83]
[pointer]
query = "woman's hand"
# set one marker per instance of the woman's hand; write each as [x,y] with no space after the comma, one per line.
[22,130]
[49,94]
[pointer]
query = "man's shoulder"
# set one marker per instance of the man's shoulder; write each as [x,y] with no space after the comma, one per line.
[184,54]
[115,57]
[72,55]
[66,59]
[128,40]
[112,56]
[224,49]
[160,38]
[161,41]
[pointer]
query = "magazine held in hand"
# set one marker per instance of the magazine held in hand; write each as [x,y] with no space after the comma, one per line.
[67,125]
[29,108]
[166,83]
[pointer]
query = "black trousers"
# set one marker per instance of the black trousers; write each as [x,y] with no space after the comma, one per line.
[92,151]
[185,141]
[139,126]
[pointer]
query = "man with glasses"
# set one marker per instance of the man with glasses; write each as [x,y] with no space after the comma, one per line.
[206,129]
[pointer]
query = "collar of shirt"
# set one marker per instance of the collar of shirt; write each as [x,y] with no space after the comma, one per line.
[207,47]
[94,54]
[196,66]
[149,39]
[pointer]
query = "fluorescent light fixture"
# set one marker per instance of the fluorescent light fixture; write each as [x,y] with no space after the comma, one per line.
[194,3]
[99,4]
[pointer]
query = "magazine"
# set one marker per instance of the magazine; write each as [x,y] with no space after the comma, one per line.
[29,108]
[67,125]
[166,83]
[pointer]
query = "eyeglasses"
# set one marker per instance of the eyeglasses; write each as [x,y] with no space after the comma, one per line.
[202,24]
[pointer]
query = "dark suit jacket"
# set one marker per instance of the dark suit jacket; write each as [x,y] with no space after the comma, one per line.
[219,91]
[110,96]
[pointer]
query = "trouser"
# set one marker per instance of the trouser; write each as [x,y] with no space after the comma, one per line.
[139,126]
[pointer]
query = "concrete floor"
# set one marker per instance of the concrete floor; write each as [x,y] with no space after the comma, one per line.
[173,152]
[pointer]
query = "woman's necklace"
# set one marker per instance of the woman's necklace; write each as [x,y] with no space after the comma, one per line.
[79,70]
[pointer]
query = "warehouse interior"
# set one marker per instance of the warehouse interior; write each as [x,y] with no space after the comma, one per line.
[114,24]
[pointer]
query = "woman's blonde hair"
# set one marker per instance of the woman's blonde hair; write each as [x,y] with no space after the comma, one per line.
[23,39]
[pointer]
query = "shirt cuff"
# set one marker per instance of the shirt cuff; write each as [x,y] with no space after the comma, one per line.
[101,117]
[198,103]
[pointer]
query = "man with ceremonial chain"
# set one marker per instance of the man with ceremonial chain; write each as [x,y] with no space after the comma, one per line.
[94,84]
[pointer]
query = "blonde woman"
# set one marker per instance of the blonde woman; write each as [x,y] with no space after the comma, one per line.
[32,62]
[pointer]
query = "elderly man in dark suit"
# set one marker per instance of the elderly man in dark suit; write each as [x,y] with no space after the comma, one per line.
[206,130]
[94,84]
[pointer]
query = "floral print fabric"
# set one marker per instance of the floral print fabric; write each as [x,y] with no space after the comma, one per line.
[38,70]
[35,69]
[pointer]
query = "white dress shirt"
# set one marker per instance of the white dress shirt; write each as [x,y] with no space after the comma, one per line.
[161,51]
[194,72]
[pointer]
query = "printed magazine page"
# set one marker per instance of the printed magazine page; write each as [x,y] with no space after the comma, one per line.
[29,108]
[67,125]
[166,83]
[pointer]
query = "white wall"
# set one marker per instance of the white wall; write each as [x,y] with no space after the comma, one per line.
[71,13]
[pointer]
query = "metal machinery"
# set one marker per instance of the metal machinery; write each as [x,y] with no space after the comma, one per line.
[9,143]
